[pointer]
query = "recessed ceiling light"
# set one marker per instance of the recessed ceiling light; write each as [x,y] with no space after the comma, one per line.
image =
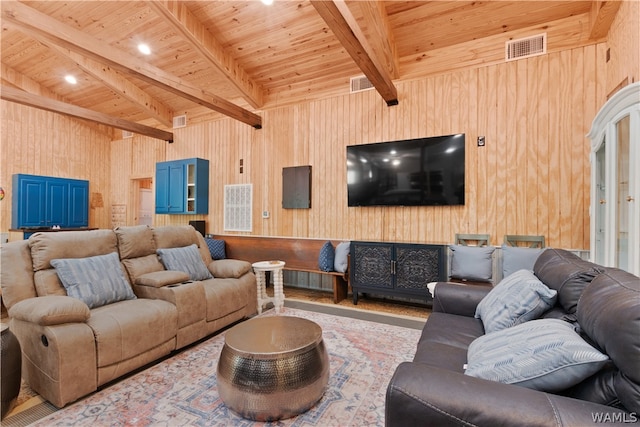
[144,48]
[267,2]
[70,79]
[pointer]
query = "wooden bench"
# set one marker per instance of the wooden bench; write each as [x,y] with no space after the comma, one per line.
[299,254]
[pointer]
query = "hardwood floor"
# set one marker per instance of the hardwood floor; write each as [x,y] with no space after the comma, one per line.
[368,304]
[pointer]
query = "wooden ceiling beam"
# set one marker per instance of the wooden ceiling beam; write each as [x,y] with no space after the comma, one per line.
[602,15]
[185,23]
[24,17]
[378,33]
[20,81]
[340,20]
[18,96]
[120,85]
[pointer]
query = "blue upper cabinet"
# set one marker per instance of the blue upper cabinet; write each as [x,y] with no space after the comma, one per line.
[182,187]
[43,201]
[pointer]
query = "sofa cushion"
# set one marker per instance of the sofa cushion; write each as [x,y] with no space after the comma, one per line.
[97,280]
[216,248]
[566,273]
[341,260]
[472,262]
[135,241]
[544,354]
[185,259]
[158,279]
[127,329]
[516,258]
[48,283]
[327,257]
[175,236]
[70,244]
[229,268]
[518,298]
[137,267]
[609,314]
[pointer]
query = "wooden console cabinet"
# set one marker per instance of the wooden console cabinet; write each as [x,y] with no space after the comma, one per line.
[395,269]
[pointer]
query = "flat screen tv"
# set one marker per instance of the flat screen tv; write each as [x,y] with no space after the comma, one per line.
[413,172]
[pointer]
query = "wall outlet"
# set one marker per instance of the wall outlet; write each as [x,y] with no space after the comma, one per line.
[265,214]
[481,141]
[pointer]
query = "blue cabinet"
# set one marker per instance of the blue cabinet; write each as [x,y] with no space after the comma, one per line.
[43,201]
[182,187]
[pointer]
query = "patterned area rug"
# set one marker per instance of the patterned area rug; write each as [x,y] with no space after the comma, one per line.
[182,390]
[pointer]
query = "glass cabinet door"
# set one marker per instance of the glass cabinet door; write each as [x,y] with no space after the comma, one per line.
[615,181]
[622,194]
[600,204]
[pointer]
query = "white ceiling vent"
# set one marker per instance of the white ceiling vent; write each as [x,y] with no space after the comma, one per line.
[127,134]
[526,47]
[360,83]
[180,121]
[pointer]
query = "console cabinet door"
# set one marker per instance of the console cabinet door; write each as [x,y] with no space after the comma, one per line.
[372,266]
[417,265]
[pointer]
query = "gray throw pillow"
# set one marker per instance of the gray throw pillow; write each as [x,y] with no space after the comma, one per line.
[185,259]
[97,280]
[472,262]
[515,258]
[516,299]
[545,354]
[342,257]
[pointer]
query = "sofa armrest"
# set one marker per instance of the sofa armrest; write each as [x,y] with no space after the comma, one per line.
[419,394]
[229,268]
[50,310]
[457,298]
[158,279]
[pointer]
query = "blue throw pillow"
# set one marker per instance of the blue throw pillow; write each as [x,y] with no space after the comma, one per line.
[327,257]
[185,259]
[216,248]
[545,354]
[516,299]
[97,280]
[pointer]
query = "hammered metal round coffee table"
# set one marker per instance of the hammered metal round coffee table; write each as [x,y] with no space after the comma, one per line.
[272,368]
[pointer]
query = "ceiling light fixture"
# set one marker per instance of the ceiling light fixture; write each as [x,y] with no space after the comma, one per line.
[267,2]
[70,79]
[144,49]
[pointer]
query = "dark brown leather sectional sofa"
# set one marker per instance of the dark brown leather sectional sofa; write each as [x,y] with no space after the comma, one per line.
[603,303]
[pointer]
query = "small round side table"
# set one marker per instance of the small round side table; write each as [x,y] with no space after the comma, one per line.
[275,267]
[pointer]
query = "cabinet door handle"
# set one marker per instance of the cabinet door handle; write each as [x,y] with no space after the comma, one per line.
[603,201]
[630,199]
[393,267]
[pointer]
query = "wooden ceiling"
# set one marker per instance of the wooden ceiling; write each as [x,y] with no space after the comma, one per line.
[238,58]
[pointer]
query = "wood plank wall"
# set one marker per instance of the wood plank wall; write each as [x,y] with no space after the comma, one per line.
[532,177]
[42,143]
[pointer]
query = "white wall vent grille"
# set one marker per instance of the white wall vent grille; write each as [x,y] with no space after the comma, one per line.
[127,134]
[526,47]
[238,205]
[360,83]
[180,121]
